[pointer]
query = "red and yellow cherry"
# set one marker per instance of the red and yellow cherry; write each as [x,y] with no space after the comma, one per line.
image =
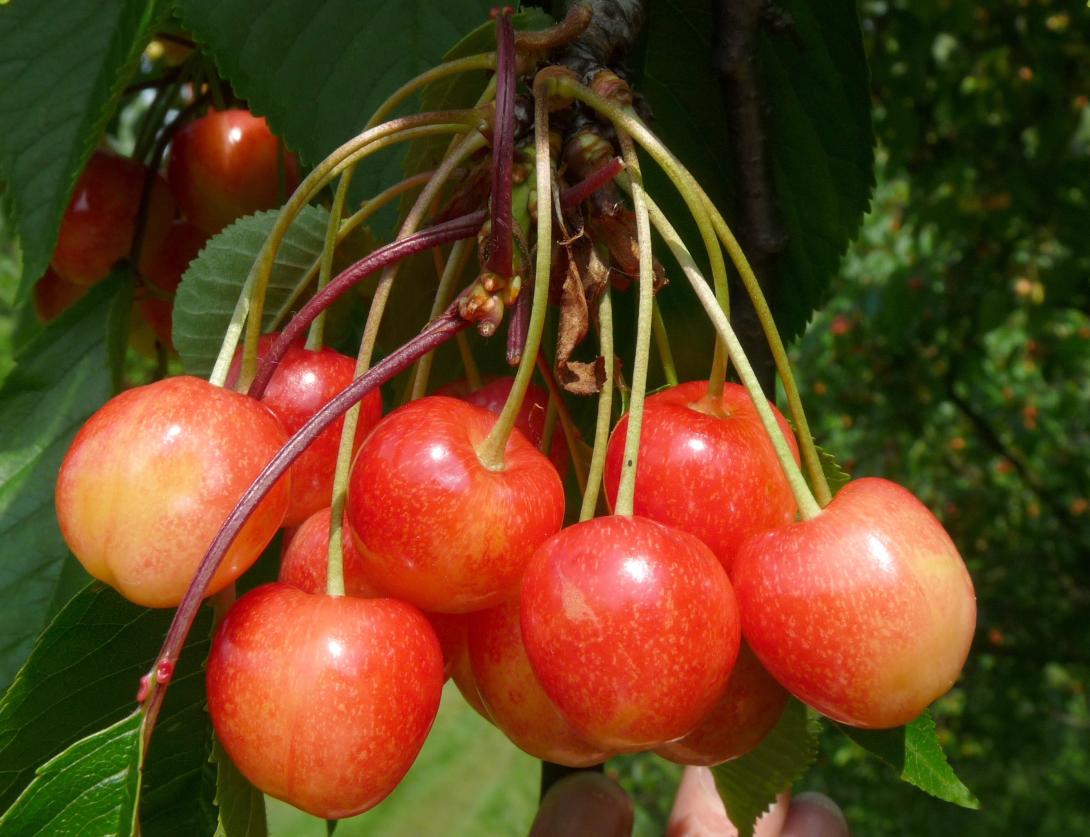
[305,564]
[305,559]
[632,629]
[163,269]
[748,710]
[461,671]
[531,416]
[321,701]
[53,295]
[706,466]
[865,612]
[98,226]
[303,383]
[150,478]
[435,526]
[226,165]
[512,695]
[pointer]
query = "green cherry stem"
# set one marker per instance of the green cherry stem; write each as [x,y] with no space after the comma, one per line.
[808,506]
[626,490]
[347,227]
[492,448]
[605,410]
[454,267]
[662,343]
[567,423]
[316,335]
[471,63]
[701,207]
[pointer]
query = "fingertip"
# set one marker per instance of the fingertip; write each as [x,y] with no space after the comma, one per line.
[586,802]
[815,815]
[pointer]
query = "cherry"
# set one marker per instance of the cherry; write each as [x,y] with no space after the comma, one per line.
[302,384]
[435,526]
[99,224]
[632,629]
[531,416]
[226,165]
[151,476]
[865,612]
[53,295]
[706,466]
[748,710]
[323,702]
[512,695]
[163,269]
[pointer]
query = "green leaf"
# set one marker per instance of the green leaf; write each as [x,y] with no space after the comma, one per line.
[750,784]
[915,753]
[60,378]
[836,476]
[64,65]
[317,71]
[820,138]
[82,674]
[210,287]
[90,788]
[463,90]
[241,805]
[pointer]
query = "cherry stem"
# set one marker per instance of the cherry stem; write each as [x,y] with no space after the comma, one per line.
[567,423]
[517,326]
[702,209]
[575,22]
[350,224]
[662,342]
[317,328]
[499,257]
[594,181]
[808,506]
[462,227]
[470,63]
[253,289]
[605,409]
[454,267]
[434,334]
[626,490]
[469,364]
[491,450]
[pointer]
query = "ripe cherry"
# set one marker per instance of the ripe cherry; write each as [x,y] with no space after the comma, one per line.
[323,702]
[512,695]
[435,526]
[706,466]
[150,478]
[163,269]
[865,612]
[99,224]
[226,165]
[632,629]
[53,295]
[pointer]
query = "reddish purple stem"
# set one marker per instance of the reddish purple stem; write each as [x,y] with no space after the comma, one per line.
[501,248]
[457,228]
[592,182]
[437,332]
[519,324]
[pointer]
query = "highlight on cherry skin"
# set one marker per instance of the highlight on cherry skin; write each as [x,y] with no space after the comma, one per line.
[706,466]
[865,612]
[228,164]
[631,627]
[323,701]
[151,476]
[421,463]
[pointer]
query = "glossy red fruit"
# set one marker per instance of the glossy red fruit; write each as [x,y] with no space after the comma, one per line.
[323,702]
[631,628]
[303,383]
[163,270]
[866,612]
[226,165]
[531,417]
[53,296]
[514,699]
[748,710]
[461,672]
[435,526]
[305,560]
[99,224]
[706,466]
[150,478]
